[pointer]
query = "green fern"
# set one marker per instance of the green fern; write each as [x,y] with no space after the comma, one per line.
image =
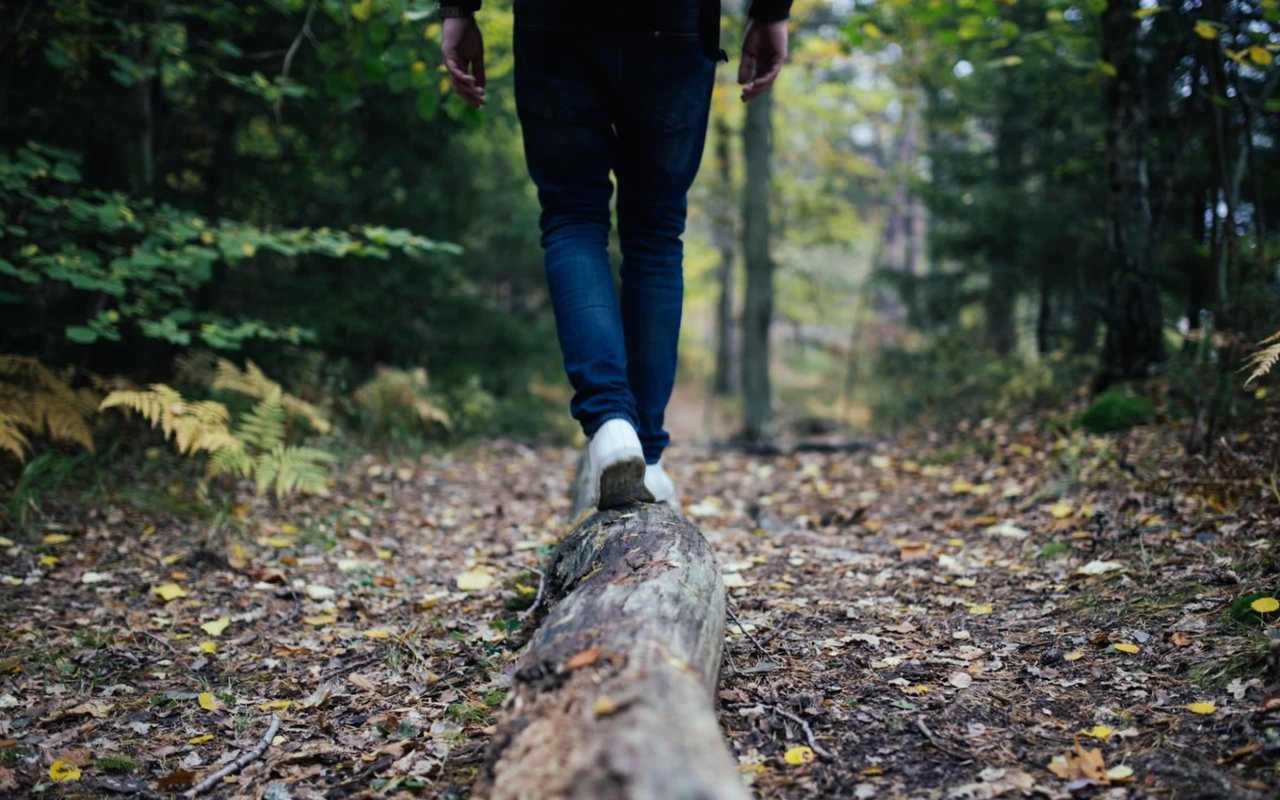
[1265,359]
[290,469]
[263,427]
[193,426]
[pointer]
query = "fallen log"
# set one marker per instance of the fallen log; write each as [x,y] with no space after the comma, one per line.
[614,696]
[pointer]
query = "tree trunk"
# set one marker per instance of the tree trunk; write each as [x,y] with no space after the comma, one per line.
[758,306]
[1134,342]
[613,698]
[722,237]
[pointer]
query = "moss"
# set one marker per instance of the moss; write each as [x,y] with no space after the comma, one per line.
[118,764]
[1117,410]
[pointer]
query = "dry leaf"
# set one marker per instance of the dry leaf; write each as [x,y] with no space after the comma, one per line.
[960,680]
[1099,567]
[275,705]
[169,591]
[1201,708]
[208,647]
[321,619]
[584,659]
[1127,647]
[1180,639]
[63,771]
[376,634]
[1061,510]
[474,579]
[1099,732]
[976,610]
[1079,763]
[207,702]
[361,682]
[207,737]
[216,627]
[798,755]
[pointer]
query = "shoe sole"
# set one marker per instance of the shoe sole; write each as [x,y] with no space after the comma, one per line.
[622,484]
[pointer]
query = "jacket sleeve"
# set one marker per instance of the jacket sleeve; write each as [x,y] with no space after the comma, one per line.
[770,10]
[466,6]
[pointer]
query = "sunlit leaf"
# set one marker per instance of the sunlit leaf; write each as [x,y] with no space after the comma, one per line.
[207,737]
[798,755]
[169,591]
[1265,605]
[1127,647]
[1201,708]
[475,579]
[207,702]
[1099,732]
[63,771]
[215,627]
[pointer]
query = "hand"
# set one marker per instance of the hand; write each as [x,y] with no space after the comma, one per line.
[462,48]
[764,48]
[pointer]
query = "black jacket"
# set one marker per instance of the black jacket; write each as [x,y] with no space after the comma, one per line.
[709,17]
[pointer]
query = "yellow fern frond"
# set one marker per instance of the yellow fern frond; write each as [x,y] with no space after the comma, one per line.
[11,437]
[253,382]
[1263,360]
[192,426]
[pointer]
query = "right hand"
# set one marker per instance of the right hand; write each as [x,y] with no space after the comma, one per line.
[764,48]
[462,48]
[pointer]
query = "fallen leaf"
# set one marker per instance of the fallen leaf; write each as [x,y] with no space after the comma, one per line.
[275,705]
[1101,732]
[361,682]
[474,579]
[177,780]
[317,592]
[94,577]
[321,619]
[976,610]
[1074,655]
[56,538]
[207,702]
[1180,639]
[960,680]
[604,706]
[584,659]
[63,771]
[1201,708]
[216,627]
[798,755]
[208,737]
[376,634]
[169,591]
[208,647]
[1126,647]
[1061,510]
[1079,763]
[1265,605]
[1120,774]
[1099,567]
[276,541]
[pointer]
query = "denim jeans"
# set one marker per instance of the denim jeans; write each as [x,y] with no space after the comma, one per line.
[614,96]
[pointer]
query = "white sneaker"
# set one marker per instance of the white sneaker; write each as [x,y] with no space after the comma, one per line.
[659,484]
[617,465]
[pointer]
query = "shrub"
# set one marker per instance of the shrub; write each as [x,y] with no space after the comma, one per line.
[1116,410]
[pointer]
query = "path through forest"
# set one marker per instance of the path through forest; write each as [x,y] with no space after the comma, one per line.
[1009,612]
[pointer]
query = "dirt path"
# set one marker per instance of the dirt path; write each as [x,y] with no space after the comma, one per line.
[945,619]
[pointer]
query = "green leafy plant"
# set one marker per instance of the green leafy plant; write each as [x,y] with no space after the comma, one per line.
[1116,410]
[396,401]
[255,444]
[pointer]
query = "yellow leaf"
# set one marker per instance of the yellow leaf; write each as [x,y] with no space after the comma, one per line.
[207,737]
[1201,708]
[385,555]
[276,541]
[56,538]
[1074,655]
[872,30]
[1265,605]
[321,619]
[604,706]
[375,634]
[48,561]
[871,772]
[169,591]
[1061,510]
[215,627]
[275,705]
[63,771]
[961,486]
[208,647]
[475,579]
[976,610]
[1206,30]
[917,689]
[248,249]
[288,529]
[1238,56]
[1126,647]
[1099,732]
[798,755]
[207,702]
[1143,13]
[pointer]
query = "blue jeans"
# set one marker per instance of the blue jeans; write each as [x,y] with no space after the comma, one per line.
[602,97]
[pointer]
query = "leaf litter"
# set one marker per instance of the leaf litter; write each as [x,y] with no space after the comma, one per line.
[937,617]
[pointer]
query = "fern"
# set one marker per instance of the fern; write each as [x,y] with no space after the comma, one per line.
[263,427]
[1265,359]
[253,382]
[193,426]
[36,401]
[290,469]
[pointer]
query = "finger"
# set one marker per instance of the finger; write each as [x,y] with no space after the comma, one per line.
[746,68]
[477,69]
[763,82]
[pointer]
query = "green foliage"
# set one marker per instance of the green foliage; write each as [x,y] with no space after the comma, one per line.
[258,446]
[1117,409]
[139,262]
[1242,613]
[122,765]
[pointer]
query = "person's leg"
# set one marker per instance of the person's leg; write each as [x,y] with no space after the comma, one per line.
[562,101]
[661,126]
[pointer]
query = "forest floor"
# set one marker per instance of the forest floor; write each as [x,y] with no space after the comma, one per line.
[1006,611]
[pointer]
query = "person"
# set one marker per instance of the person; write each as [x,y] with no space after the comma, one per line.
[624,88]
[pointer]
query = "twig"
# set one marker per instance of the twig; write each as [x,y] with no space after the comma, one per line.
[240,763]
[293,50]
[537,600]
[933,740]
[742,628]
[808,732]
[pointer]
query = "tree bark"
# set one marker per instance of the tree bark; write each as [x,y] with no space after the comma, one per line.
[613,698]
[757,314]
[722,236]
[1134,342]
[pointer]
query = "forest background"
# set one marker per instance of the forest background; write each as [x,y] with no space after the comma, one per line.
[946,210]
